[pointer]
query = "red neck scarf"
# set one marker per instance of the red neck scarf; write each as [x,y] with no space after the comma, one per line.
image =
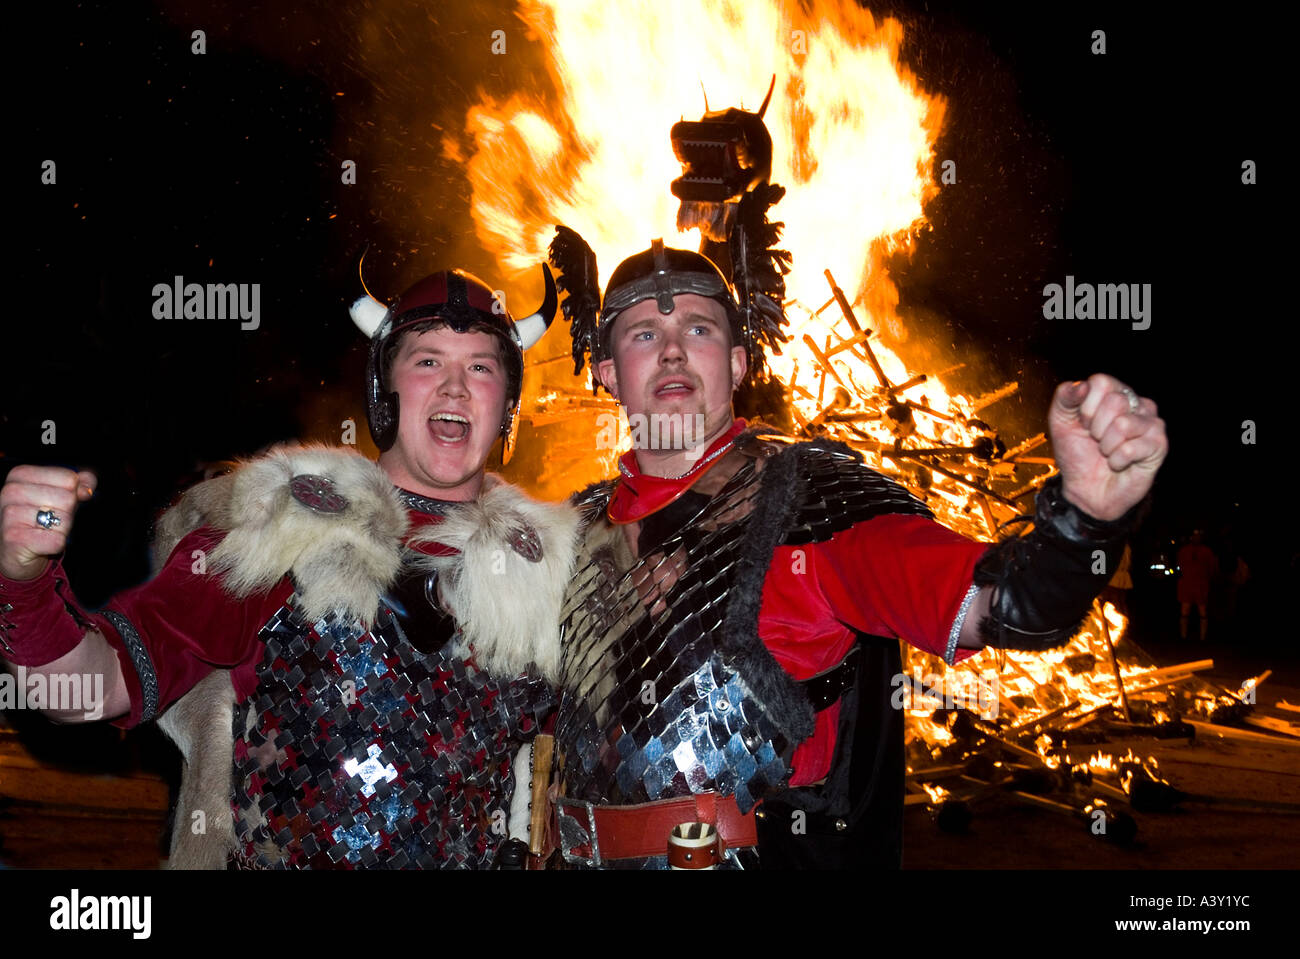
[638,495]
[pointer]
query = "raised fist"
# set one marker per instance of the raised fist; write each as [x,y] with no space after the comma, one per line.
[1108,442]
[37,505]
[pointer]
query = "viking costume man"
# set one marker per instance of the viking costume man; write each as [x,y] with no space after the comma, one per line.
[730,634]
[380,656]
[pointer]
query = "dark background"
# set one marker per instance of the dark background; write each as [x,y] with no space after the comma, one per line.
[1120,168]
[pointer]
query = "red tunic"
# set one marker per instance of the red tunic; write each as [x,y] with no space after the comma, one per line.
[898,575]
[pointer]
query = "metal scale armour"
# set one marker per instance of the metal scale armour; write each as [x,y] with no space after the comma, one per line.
[358,750]
[652,707]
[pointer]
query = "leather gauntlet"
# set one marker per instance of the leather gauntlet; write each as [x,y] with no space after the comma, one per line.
[1045,582]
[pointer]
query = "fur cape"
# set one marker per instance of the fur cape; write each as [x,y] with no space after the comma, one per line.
[506,604]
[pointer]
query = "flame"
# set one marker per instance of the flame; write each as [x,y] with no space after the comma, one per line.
[1114,617]
[1101,762]
[937,794]
[852,131]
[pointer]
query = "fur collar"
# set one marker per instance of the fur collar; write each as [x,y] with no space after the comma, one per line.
[508,606]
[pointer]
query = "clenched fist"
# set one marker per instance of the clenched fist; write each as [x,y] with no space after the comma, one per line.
[1108,441]
[29,494]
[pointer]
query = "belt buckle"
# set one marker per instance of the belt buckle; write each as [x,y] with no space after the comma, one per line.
[595,860]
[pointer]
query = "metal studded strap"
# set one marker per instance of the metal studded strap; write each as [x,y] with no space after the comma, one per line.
[141,660]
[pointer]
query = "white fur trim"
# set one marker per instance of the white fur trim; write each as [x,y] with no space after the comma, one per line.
[508,608]
[340,561]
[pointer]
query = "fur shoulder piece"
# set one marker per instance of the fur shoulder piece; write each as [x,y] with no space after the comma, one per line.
[340,560]
[506,585]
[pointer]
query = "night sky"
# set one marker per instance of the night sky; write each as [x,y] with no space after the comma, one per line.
[1122,168]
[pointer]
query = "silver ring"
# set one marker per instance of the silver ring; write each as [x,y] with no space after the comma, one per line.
[46,519]
[1132,399]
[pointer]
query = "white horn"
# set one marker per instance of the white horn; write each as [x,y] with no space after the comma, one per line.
[367,313]
[532,328]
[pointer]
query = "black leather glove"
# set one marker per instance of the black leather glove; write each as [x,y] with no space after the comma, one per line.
[1044,583]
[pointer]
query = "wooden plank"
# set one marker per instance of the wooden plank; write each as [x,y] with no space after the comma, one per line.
[27,782]
[1222,762]
[1275,725]
[1211,730]
[1191,667]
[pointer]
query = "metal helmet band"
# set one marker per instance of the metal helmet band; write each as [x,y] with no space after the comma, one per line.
[659,274]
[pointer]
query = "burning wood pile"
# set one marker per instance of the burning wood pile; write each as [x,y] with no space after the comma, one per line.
[1018,724]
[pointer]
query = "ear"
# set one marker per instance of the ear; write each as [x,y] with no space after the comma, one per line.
[607,374]
[739,366]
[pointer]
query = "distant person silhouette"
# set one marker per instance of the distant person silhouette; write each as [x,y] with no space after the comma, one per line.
[1197,567]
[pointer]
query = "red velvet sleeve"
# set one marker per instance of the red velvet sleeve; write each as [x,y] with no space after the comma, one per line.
[176,628]
[899,575]
[40,618]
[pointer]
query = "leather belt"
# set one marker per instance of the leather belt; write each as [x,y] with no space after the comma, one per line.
[625,832]
[825,688]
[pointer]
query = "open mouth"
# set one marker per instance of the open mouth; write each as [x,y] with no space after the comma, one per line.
[671,388]
[449,427]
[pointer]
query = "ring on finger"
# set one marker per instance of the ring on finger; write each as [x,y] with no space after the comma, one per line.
[1132,399]
[47,519]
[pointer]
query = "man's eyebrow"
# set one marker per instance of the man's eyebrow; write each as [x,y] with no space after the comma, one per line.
[439,351]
